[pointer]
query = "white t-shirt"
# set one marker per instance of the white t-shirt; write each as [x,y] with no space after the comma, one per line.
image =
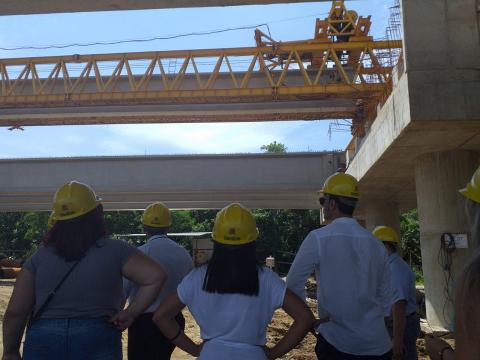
[234,325]
[173,258]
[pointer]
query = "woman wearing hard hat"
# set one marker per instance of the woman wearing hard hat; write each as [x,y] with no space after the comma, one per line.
[467,309]
[232,298]
[72,286]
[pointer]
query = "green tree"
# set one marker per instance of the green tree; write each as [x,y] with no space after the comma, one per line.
[204,220]
[282,232]
[274,147]
[123,222]
[21,232]
[182,221]
[410,238]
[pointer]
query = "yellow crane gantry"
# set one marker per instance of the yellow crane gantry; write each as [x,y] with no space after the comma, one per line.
[340,62]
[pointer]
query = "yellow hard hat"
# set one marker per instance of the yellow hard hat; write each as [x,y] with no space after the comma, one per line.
[157,215]
[341,184]
[386,234]
[51,221]
[234,225]
[72,200]
[472,190]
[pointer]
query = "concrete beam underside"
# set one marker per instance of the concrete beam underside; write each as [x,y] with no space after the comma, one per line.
[178,110]
[277,181]
[23,7]
[191,113]
[385,162]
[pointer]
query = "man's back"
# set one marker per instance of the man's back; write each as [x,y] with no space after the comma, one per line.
[353,285]
[174,259]
[403,283]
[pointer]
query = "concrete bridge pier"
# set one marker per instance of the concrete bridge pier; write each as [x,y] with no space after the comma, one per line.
[382,213]
[438,176]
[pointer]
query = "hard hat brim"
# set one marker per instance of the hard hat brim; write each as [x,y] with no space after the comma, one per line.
[233,242]
[390,241]
[469,194]
[72,216]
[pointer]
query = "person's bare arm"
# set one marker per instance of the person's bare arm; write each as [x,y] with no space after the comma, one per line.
[467,315]
[467,320]
[17,313]
[437,348]
[399,323]
[303,321]
[164,318]
[150,278]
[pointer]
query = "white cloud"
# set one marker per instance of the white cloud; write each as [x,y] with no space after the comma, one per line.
[206,138]
[157,139]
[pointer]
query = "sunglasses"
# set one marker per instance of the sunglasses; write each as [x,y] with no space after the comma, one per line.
[323,200]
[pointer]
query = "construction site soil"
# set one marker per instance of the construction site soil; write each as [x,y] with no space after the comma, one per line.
[278,327]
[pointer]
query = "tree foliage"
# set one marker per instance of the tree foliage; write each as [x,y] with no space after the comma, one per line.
[21,232]
[281,231]
[274,147]
[410,238]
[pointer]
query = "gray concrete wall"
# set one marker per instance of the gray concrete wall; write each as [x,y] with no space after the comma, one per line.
[17,7]
[391,120]
[441,209]
[442,50]
[379,213]
[189,182]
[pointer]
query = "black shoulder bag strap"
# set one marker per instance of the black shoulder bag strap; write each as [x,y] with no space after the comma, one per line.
[35,315]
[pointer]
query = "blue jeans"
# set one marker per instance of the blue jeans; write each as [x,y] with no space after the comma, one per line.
[72,339]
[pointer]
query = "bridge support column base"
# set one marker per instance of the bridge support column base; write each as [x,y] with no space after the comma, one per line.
[438,176]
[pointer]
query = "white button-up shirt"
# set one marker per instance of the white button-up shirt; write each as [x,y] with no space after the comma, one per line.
[173,258]
[353,285]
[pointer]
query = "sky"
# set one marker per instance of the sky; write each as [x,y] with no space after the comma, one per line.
[285,22]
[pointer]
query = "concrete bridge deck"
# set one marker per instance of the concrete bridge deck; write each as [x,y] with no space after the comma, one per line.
[24,7]
[182,182]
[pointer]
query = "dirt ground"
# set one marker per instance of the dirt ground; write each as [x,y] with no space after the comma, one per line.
[279,326]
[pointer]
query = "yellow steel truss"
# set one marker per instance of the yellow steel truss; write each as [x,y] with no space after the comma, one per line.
[83,79]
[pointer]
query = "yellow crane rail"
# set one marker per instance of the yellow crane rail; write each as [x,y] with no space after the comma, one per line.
[229,75]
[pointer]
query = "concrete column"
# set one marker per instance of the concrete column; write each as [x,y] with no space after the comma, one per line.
[438,176]
[441,57]
[382,213]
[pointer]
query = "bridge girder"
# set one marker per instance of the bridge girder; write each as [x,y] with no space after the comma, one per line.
[30,87]
[278,181]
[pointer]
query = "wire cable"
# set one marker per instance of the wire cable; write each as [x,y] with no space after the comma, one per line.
[155,38]
[445,254]
[106,43]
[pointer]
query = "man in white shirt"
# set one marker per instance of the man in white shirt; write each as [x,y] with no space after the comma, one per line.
[353,278]
[403,323]
[145,341]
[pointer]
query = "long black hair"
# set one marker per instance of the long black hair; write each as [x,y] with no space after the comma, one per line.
[233,269]
[72,238]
